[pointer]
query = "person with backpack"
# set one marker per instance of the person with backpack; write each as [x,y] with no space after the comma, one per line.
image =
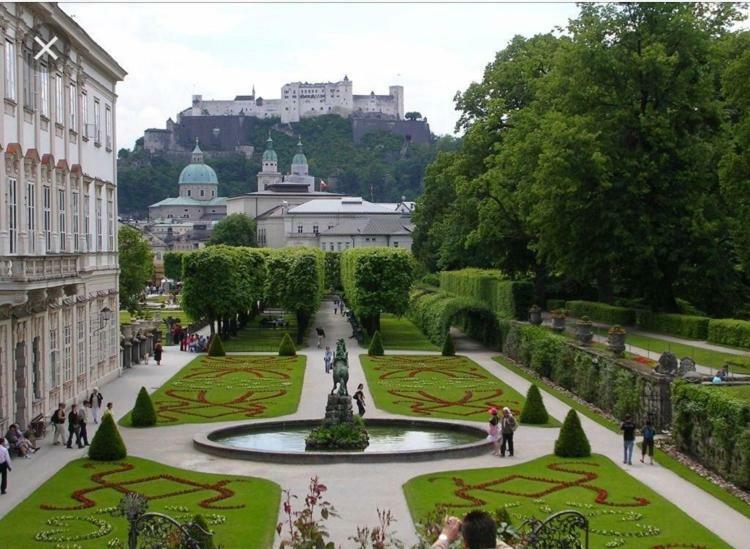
[58,420]
[647,448]
[508,426]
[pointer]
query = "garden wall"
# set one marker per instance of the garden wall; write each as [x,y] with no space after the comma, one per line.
[507,298]
[714,427]
[616,386]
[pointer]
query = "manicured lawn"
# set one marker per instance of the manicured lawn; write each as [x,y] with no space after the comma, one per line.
[174,313]
[402,334]
[229,388]
[257,338]
[620,509]
[125,318]
[73,508]
[704,357]
[662,458]
[437,386]
[741,392]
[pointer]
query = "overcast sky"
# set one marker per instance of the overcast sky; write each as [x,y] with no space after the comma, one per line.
[172,51]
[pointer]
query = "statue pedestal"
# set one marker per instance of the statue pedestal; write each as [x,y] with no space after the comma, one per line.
[338,411]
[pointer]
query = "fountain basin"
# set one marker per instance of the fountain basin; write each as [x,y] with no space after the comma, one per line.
[391,440]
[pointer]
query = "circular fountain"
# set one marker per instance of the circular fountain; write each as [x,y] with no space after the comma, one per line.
[391,440]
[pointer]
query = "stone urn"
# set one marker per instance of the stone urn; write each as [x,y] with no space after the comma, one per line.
[558,320]
[126,330]
[535,315]
[584,334]
[616,340]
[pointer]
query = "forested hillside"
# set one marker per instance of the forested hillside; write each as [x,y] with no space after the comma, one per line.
[382,166]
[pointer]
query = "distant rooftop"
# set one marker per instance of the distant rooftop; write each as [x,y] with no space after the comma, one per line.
[186,201]
[347,204]
[370,227]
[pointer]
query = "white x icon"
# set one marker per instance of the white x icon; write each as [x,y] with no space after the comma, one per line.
[46,48]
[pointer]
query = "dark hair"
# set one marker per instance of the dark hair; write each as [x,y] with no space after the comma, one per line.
[361,386]
[479,530]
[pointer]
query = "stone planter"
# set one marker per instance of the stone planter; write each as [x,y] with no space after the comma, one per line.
[558,322]
[535,315]
[126,330]
[584,334]
[616,340]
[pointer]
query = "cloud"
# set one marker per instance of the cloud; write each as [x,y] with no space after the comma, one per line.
[172,51]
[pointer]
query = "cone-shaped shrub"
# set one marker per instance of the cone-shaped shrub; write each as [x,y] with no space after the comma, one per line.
[205,540]
[107,444]
[448,348]
[216,347]
[144,413]
[572,441]
[534,411]
[376,345]
[287,346]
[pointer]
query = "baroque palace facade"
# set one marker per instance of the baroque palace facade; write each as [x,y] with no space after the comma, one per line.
[59,332]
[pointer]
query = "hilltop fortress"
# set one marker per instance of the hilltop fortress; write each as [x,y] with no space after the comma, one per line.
[222,123]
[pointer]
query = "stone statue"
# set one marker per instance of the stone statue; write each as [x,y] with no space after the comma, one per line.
[340,369]
[667,364]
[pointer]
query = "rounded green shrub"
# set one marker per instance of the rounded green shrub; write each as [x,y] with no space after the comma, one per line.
[286,348]
[448,348]
[376,345]
[534,411]
[107,444]
[144,413]
[572,441]
[216,347]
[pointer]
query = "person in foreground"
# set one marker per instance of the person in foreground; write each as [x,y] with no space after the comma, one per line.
[478,531]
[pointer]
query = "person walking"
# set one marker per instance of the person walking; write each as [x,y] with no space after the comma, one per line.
[359,398]
[4,466]
[508,426]
[74,427]
[647,448]
[493,431]
[96,399]
[321,336]
[82,420]
[328,359]
[157,352]
[335,306]
[628,437]
[58,420]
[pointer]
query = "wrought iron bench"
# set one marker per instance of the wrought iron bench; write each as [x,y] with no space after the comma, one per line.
[562,530]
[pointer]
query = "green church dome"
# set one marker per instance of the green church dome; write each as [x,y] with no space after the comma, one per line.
[197,172]
[300,157]
[269,155]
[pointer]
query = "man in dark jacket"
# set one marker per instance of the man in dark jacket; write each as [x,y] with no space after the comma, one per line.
[74,427]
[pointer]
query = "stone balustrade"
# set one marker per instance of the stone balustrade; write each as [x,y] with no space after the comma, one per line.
[38,268]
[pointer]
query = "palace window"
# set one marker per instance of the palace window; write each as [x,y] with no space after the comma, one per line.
[36,371]
[61,217]
[111,220]
[10,69]
[54,374]
[44,91]
[108,125]
[75,205]
[59,99]
[47,207]
[315,229]
[299,229]
[13,214]
[97,121]
[30,213]
[29,95]
[84,114]
[86,222]
[67,345]
[81,333]
[72,106]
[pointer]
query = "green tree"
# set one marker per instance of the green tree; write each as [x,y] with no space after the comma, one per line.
[413,115]
[234,230]
[286,347]
[136,266]
[144,413]
[448,348]
[375,281]
[534,411]
[216,347]
[376,345]
[173,265]
[572,441]
[107,444]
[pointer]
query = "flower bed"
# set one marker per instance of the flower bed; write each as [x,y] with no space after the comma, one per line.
[622,511]
[78,506]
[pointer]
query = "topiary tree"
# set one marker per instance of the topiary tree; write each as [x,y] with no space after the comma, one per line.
[286,348]
[144,413]
[201,533]
[534,411]
[376,345]
[448,347]
[572,441]
[216,347]
[107,444]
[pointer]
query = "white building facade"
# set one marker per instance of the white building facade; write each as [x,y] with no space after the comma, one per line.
[304,100]
[59,332]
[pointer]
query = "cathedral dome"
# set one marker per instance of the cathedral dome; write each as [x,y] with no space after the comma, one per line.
[197,172]
[299,158]
[269,155]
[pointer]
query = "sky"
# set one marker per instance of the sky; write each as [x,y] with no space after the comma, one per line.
[172,51]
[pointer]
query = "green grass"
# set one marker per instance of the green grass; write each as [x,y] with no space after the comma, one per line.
[704,357]
[253,497]
[438,386]
[662,458]
[399,333]
[184,317]
[255,338]
[741,392]
[229,388]
[650,523]
[125,318]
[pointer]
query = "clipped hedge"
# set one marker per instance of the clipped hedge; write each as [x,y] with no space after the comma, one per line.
[333,270]
[713,425]
[572,441]
[729,331]
[144,413]
[534,412]
[286,347]
[448,348]
[216,347]
[601,312]
[594,376]
[435,312]
[376,345]
[553,304]
[693,327]
[107,444]
[507,298]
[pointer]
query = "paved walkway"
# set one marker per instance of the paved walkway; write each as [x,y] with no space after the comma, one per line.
[358,490]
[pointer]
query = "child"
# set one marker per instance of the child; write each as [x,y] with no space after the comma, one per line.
[648,442]
[494,431]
